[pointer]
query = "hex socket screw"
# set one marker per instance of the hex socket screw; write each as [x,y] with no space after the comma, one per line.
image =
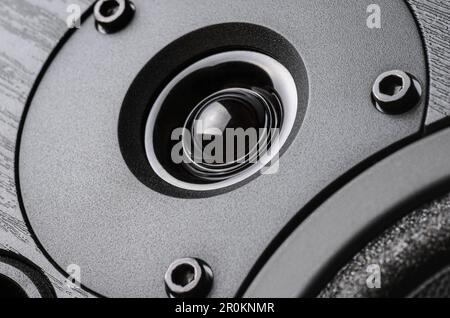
[188,278]
[396,92]
[113,15]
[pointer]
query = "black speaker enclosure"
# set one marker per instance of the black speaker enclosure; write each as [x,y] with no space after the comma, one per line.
[420,10]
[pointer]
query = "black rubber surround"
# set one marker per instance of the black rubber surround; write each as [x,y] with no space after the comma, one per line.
[173,59]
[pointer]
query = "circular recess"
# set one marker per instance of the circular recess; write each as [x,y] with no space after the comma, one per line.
[113,15]
[254,67]
[188,278]
[396,92]
[230,114]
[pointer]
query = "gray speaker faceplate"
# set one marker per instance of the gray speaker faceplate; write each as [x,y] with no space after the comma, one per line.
[87,208]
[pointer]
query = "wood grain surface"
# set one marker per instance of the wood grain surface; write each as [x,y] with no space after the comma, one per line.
[434,20]
[29,31]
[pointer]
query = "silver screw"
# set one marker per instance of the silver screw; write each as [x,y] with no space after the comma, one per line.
[396,92]
[188,278]
[113,15]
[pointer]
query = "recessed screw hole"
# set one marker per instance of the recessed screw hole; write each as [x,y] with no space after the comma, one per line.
[183,275]
[109,8]
[391,85]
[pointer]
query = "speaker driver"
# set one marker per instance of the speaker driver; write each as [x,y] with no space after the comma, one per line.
[243,110]
[83,172]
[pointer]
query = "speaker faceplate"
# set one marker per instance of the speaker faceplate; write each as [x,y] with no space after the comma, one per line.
[87,208]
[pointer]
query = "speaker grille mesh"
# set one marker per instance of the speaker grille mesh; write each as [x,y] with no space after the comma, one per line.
[407,254]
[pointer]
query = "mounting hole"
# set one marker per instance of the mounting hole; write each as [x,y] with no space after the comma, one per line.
[113,15]
[109,8]
[188,278]
[183,275]
[396,92]
[391,85]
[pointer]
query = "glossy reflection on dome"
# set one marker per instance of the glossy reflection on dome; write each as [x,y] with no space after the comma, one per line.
[224,111]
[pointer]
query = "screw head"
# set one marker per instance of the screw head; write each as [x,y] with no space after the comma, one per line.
[113,15]
[188,278]
[396,92]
